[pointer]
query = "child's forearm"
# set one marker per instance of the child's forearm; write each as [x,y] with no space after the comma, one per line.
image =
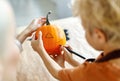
[73,62]
[51,65]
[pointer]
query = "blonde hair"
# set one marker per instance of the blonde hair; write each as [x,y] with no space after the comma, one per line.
[102,14]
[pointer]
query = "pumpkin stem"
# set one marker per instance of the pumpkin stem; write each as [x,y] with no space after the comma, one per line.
[47,21]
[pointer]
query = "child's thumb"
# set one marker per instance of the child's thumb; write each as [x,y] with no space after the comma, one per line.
[33,36]
[64,49]
[40,35]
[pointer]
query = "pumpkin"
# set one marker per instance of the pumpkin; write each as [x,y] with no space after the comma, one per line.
[53,37]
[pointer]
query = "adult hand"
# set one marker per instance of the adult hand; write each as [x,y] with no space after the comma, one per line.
[34,25]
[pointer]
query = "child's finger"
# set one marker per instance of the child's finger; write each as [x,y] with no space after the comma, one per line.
[40,35]
[68,46]
[65,50]
[33,37]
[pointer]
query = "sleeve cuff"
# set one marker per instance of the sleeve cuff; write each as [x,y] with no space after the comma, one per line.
[19,45]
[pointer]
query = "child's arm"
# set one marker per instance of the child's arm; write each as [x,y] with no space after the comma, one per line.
[73,62]
[30,29]
[68,57]
[59,59]
[51,65]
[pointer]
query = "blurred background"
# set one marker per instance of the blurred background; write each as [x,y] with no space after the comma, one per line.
[26,10]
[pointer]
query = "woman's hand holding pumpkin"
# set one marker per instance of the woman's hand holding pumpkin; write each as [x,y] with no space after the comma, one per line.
[35,24]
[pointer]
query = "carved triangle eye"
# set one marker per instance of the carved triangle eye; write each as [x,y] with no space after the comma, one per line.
[49,35]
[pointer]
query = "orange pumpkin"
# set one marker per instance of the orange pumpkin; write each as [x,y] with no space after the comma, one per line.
[53,37]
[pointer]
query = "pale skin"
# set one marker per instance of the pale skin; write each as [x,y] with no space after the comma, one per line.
[31,29]
[97,35]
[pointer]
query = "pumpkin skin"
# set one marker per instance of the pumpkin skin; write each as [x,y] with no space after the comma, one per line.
[53,37]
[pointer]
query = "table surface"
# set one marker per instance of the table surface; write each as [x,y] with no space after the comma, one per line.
[31,67]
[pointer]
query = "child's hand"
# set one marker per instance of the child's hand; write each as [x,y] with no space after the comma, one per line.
[68,56]
[66,53]
[37,45]
[34,25]
[59,59]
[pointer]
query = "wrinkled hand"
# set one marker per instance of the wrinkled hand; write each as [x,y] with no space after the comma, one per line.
[37,45]
[34,25]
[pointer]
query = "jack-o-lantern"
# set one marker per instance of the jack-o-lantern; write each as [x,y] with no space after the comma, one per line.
[53,37]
